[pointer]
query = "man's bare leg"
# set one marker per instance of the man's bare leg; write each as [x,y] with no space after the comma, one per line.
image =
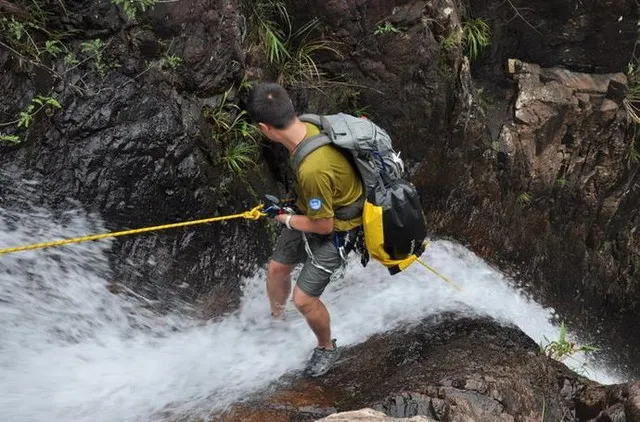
[317,316]
[278,286]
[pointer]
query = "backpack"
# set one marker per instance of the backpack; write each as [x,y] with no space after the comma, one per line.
[393,222]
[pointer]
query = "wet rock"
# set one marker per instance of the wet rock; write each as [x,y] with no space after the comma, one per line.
[548,105]
[447,370]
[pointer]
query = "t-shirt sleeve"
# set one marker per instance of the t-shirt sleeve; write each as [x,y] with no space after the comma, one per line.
[316,192]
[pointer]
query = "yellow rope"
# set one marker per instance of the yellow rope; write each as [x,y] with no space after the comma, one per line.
[455,286]
[253,214]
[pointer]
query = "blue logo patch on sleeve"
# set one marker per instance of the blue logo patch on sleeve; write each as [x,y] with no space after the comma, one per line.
[315,204]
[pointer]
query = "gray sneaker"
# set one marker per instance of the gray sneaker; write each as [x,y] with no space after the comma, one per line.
[321,361]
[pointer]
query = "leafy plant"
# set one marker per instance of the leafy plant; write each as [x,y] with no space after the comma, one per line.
[173,61]
[561,348]
[240,155]
[385,29]
[453,40]
[131,8]
[20,36]
[95,48]
[300,64]
[16,29]
[291,53]
[272,37]
[10,138]
[523,198]
[54,47]
[27,115]
[476,36]
[70,59]
[245,83]
[15,33]
[239,138]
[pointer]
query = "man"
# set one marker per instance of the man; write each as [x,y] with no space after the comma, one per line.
[325,182]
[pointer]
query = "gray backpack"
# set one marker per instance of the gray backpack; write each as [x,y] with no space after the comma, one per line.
[369,145]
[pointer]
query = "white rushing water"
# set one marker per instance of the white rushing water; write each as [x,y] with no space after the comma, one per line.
[72,351]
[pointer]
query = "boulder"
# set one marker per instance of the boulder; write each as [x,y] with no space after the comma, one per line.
[369,415]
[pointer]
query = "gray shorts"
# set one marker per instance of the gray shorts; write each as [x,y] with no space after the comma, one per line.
[290,250]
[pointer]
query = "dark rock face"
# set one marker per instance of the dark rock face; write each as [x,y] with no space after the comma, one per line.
[135,146]
[448,370]
[574,34]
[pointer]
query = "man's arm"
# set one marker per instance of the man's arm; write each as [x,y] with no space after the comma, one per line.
[305,224]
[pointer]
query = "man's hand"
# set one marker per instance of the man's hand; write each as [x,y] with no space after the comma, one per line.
[280,218]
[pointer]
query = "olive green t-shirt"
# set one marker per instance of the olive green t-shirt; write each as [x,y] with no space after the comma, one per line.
[327,181]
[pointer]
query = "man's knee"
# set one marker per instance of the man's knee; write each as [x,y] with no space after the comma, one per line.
[304,302]
[278,270]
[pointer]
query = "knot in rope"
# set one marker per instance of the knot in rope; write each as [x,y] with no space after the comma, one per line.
[254,213]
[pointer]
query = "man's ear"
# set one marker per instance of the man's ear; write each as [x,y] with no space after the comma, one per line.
[269,131]
[264,128]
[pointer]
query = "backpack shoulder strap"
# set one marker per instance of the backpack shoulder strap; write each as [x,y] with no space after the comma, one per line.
[309,145]
[306,147]
[315,119]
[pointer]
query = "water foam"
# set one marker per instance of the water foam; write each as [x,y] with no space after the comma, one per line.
[71,350]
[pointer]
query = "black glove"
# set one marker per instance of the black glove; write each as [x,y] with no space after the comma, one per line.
[272,210]
[272,206]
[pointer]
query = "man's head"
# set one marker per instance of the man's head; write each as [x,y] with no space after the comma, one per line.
[270,107]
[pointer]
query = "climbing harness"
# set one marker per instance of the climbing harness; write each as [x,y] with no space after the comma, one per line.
[253,214]
[340,241]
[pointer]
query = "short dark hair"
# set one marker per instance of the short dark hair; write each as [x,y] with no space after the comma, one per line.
[269,103]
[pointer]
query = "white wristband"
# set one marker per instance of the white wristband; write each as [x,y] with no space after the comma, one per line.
[287,221]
